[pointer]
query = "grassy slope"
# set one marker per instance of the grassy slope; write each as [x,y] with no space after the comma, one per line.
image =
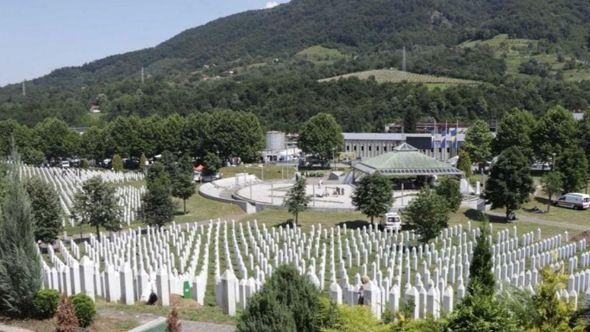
[320,55]
[398,76]
[516,51]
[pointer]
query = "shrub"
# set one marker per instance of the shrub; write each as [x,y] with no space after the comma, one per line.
[287,302]
[45,303]
[173,321]
[357,318]
[66,321]
[84,308]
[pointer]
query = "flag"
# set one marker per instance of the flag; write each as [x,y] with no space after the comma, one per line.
[443,142]
[433,137]
[454,139]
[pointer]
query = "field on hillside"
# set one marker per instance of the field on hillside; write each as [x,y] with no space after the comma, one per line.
[320,55]
[517,51]
[398,76]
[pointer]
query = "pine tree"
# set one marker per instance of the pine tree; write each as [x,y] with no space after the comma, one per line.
[20,268]
[157,206]
[66,320]
[46,210]
[143,162]
[117,163]
[183,185]
[97,205]
[296,199]
[288,301]
[480,270]
[173,322]
[373,195]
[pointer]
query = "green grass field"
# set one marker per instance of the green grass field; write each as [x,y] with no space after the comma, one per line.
[517,51]
[320,55]
[398,76]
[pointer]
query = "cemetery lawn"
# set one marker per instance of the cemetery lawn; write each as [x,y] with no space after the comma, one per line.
[207,313]
[464,215]
[200,208]
[558,214]
[275,217]
[101,323]
[271,172]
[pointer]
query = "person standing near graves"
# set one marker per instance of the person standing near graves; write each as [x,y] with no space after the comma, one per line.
[361,292]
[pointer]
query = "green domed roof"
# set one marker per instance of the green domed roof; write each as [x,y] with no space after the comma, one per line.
[405,160]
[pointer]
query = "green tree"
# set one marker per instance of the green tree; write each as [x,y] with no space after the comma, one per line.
[572,163]
[183,185]
[515,129]
[288,301]
[481,275]
[97,205]
[157,207]
[212,163]
[555,131]
[20,268]
[296,200]
[234,134]
[552,184]
[46,210]
[478,142]
[480,312]
[55,139]
[510,182]
[143,162]
[117,163]
[450,189]
[93,143]
[584,130]
[552,314]
[321,136]
[464,163]
[373,195]
[427,214]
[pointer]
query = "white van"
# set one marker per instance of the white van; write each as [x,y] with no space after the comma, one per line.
[391,222]
[65,164]
[576,201]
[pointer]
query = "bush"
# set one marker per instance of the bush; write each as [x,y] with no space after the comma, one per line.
[65,319]
[45,303]
[286,302]
[84,308]
[357,318]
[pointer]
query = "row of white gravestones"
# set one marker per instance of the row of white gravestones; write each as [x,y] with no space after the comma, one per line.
[69,181]
[134,265]
[432,276]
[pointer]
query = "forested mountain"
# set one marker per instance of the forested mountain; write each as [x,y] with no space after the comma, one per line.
[259,50]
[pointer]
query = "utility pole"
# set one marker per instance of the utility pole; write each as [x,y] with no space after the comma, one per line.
[24,89]
[142,76]
[404,59]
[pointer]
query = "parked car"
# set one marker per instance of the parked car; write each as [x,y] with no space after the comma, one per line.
[65,164]
[576,201]
[391,221]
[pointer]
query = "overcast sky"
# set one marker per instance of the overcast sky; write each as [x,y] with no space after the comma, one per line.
[37,36]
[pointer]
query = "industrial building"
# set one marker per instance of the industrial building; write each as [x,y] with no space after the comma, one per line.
[369,145]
